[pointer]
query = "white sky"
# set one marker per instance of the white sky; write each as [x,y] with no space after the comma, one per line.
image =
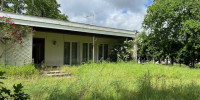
[121,14]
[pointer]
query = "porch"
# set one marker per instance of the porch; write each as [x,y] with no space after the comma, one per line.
[56,48]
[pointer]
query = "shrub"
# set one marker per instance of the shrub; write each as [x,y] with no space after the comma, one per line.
[23,71]
[122,51]
[16,94]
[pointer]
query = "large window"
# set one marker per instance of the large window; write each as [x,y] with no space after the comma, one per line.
[90,51]
[70,53]
[74,53]
[103,52]
[67,53]
[85,52]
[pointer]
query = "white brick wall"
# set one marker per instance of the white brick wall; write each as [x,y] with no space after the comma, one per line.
[18,54]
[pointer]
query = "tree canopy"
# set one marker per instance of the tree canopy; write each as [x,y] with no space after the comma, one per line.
[174,31]
[41,8]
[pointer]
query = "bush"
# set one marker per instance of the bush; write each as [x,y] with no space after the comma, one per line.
[23,71]
[122,51]
[16,94]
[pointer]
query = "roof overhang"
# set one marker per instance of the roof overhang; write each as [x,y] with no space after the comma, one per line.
[65,25]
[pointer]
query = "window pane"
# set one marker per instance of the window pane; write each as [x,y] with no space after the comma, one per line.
[67,53]
[90,51]
[85,52]
[74,53]
[100,51]
[105,51]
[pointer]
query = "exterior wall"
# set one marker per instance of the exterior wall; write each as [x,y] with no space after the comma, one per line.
[54,54]
[18,54]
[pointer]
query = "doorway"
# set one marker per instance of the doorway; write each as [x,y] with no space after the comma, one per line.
[38,50]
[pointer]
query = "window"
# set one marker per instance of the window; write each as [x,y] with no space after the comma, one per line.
[90,51]
[74,53]
[100,51]
[67,53]
[70,53]
[85,52]
[103,51]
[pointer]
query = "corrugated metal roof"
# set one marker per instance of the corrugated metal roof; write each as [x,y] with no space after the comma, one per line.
[65,25]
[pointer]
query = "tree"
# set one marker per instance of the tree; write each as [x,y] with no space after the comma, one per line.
[174,25]
[41,8]
[45,8]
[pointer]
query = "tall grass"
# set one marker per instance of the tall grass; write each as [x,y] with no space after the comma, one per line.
[23,71]
[116,81]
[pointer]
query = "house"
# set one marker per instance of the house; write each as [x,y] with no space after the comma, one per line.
[57,43]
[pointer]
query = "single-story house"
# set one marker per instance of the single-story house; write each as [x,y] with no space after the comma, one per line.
[57,43]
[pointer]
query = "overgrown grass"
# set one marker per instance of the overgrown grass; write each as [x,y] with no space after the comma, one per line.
[23,71]
[115,81]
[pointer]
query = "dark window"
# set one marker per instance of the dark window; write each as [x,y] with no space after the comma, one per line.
[85,52]
[105,51]
[67,53]
[100,51]
[90,51]
[74,53]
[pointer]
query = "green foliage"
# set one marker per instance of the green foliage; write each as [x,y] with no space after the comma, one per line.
[45,8]
[42,8]
[112,81]
[174,30]
[23,71]
[122,51]
[17,94]
[10,31]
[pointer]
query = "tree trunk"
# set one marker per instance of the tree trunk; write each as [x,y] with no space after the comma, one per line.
[2,4]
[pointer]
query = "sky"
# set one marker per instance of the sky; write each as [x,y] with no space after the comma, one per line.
[120,14]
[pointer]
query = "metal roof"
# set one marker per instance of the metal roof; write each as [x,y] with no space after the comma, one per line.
[65,25]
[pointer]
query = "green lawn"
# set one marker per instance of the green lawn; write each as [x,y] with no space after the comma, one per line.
[111,81]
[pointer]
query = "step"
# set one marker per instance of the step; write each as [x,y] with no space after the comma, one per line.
[59,75]
[52,72]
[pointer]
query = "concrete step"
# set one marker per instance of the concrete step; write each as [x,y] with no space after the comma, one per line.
[59,74]
[53,72]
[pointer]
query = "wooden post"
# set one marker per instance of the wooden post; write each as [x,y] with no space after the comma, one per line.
[93,48]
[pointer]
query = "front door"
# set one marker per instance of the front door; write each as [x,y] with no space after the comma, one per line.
[38,50]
